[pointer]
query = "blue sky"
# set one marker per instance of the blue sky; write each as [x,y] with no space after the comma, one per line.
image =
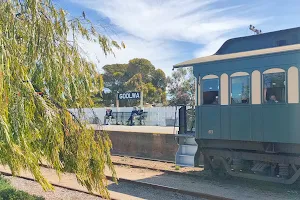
[170,31]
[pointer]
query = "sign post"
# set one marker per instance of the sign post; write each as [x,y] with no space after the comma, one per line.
[117,101]
[142,99]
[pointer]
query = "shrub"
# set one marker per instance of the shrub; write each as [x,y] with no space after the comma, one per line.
[7,192]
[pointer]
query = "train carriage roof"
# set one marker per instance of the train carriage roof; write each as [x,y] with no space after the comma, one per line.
[263,44]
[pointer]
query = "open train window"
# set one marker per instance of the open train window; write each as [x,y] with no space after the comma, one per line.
[240,88]
[210,88]
[274,84]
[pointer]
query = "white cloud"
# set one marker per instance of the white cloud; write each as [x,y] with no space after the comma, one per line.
[210,48]
[162,22]
[160,54]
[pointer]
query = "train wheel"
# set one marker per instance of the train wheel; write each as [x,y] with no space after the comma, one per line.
[216,166]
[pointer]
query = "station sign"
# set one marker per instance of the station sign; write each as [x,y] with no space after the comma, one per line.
[129,95]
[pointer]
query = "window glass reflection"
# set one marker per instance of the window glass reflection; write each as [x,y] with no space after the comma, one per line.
[210,91]
[274,87]
[240,89]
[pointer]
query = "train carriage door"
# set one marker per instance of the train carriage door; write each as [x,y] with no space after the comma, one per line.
[210,111]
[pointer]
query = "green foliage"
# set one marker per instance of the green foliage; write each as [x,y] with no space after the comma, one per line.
[97,94]
[181,87]
[39,52]
[7,192]
[138,75]
[141,66]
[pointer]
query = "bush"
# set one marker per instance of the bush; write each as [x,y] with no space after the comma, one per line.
[13,194]
[7,192]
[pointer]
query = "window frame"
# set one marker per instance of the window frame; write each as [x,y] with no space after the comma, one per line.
[259,87]
[208,77]
[280,70]
[243,74]
[296,88]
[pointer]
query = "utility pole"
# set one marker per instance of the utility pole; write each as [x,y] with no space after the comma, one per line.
[142,99]
[117,101]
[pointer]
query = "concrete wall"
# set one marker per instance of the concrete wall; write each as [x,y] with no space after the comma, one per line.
[147,145]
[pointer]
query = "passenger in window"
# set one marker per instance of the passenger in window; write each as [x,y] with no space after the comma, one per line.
[245,99]
[273,99]
[216,101]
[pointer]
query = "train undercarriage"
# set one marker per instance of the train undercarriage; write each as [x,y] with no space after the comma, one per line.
[274,162]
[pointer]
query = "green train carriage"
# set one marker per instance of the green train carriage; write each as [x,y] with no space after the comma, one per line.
[247,108]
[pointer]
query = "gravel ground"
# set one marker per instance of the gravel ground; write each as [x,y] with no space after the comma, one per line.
[134,190]
[202,182]
[230,188]
[34,188]
[267,189]
[154,164]
[143,192]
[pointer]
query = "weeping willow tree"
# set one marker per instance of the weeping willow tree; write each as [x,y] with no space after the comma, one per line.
[42,73]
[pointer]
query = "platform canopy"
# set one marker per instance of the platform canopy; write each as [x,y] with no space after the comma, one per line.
[207,59]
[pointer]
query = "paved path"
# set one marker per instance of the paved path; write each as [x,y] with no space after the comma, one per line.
[137,129]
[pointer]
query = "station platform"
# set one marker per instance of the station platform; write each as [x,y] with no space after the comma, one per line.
[138,129]
[153,142]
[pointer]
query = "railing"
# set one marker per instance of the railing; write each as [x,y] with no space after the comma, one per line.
[187,120]
[118,118]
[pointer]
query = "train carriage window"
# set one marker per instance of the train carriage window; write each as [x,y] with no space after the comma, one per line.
[274,86]
[240,88]
[210,87]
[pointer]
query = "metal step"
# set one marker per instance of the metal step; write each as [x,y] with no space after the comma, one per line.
[186,160]
[187,149]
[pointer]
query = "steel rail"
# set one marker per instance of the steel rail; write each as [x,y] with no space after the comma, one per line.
[142,183]
[173,189]
[56,185]
[142,158]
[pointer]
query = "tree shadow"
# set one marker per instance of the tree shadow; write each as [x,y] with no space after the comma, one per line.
[206,182]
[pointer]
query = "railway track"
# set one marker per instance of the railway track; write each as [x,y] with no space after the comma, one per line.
[141,158]
[139,183]
[56,185]
[151,168]
[172,189]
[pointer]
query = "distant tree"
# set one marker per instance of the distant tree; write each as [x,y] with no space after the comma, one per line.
[181,87]
[138,75]
[141,66]
[159,79]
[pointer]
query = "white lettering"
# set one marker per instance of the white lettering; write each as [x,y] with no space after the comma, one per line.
[131,95]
